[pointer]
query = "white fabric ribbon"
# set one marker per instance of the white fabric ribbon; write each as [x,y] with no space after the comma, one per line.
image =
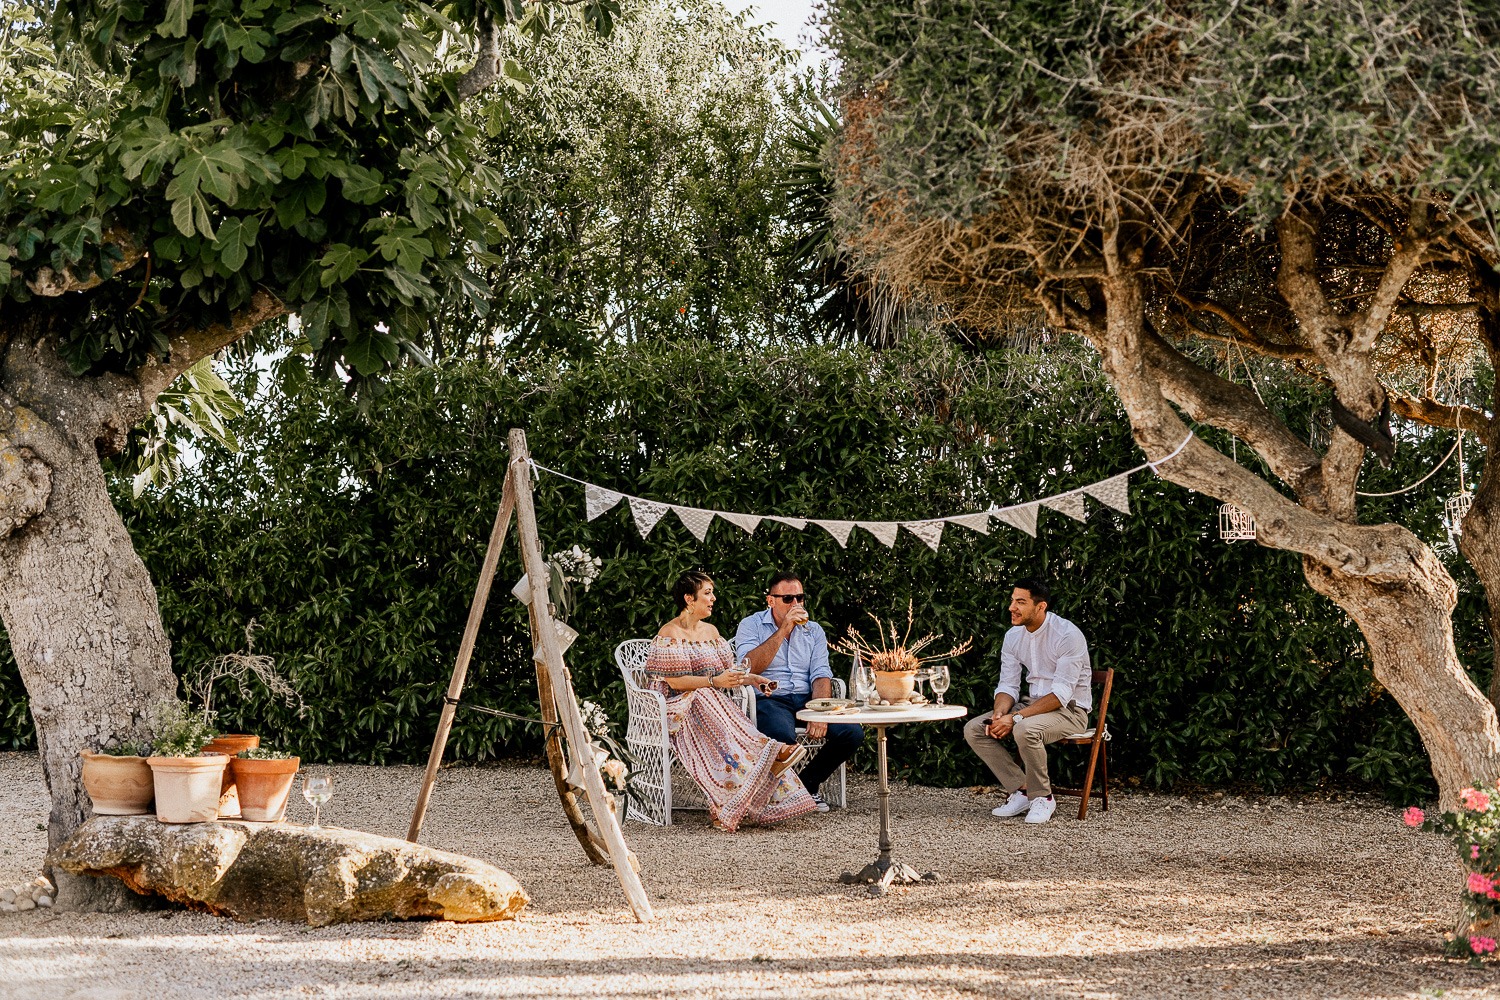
[1113,492]
[974,522]
[695,519]
[931,532]
[647,513]
[598,499]
[883,530]
[1023,517]
[838,529]
[746,522]
[1070,504]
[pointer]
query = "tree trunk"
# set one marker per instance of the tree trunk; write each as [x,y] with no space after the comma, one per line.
[84,624]
[1387,580]
[1480,544]
[1409,630]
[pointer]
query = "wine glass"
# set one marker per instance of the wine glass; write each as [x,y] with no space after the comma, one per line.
[862,682]
[940,680]
[317,789]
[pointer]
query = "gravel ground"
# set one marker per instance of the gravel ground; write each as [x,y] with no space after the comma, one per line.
[1162,897]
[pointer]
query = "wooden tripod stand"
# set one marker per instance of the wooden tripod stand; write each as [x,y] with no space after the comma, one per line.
[559,706]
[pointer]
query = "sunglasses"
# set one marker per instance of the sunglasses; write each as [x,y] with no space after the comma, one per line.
[788,598]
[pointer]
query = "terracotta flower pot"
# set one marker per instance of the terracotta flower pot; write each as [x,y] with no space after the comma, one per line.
[118,786]
[264,786]
[895,685]
[187,788]
[230,744]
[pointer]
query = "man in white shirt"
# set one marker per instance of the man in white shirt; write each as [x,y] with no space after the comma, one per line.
[1054,656]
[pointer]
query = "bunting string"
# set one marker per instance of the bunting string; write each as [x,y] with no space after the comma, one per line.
[1112,492]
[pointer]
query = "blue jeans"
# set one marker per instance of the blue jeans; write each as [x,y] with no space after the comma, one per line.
[776,717]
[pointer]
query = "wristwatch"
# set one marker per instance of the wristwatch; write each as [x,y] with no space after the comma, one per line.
[1015,720]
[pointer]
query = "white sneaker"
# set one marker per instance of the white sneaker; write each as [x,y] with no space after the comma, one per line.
[1041,810]
[820,802]
[1013,806]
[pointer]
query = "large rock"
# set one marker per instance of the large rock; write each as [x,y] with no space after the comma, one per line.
[255,871]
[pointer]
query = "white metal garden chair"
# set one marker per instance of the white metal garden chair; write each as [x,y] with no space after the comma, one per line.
[646,739]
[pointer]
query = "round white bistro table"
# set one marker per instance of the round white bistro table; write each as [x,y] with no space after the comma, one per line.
[880,873]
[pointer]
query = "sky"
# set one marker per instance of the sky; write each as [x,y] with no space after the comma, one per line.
[789,19]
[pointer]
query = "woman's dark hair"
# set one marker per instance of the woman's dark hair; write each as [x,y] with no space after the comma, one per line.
[688,585]
[1039,591]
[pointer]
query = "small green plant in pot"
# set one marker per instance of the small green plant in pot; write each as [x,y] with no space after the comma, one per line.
[118,779]
[264,778]
[186,779]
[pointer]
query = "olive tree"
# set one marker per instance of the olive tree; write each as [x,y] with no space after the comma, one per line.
[1314,183]
[177,176]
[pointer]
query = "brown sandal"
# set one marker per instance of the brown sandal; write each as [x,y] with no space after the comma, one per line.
[788,757]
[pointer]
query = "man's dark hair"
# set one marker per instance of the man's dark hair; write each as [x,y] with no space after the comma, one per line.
[785,576]
[1039,591]
[688,585]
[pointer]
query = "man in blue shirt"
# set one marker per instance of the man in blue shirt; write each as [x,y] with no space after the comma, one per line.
[784,645]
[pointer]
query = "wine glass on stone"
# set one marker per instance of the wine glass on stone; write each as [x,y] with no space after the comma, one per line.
[317,789]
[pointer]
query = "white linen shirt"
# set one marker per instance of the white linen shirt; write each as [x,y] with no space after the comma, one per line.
[1055,658]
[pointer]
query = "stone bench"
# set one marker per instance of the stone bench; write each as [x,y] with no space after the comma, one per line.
[260,871]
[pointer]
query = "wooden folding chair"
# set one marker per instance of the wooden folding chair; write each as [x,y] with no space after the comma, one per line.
[1097,740]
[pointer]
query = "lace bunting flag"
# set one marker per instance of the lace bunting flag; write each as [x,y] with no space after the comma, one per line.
[838,529]
[598,500]
[746,522]
[695,520]
[1023,518]
[1070,504]
[791,522]
[647,513]
[931,532]
[883,530]
[974,522]
[1113,492]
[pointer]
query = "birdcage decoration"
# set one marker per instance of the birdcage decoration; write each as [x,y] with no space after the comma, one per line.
[1456,507]
[1454,510]
[1236,524]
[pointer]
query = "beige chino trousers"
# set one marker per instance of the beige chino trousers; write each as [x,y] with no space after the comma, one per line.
[1032,734]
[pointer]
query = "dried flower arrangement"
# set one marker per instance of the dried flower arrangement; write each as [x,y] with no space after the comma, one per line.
[899,656]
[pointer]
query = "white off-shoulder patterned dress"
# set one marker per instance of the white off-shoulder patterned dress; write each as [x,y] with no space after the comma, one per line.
[715,742]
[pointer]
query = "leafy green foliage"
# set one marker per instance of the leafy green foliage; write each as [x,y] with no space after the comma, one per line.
[178,731]
[643,203]
[356,541]
[1267,99]
[310,152]
[199,405]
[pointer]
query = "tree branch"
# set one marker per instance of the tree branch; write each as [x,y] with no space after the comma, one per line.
[487,69]
[1435,414]
[48,283]
[1410,250]
[1213,399]
[1244,336]
[191,345]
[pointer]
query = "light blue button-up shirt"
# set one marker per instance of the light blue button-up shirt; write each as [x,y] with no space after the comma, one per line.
[802,658]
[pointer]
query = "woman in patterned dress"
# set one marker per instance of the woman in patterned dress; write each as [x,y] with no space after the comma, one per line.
[745,776]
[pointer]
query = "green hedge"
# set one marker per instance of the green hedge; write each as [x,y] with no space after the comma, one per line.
[355,540]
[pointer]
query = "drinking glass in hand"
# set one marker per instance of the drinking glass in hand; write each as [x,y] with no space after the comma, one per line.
[317,789]
[940,680]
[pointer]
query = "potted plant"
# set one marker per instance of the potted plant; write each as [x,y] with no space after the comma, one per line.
[894,665]
[187,780]
[118,779]
[264,779]
[238,668]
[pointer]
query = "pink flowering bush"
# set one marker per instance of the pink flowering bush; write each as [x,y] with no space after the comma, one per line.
[1475,831]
